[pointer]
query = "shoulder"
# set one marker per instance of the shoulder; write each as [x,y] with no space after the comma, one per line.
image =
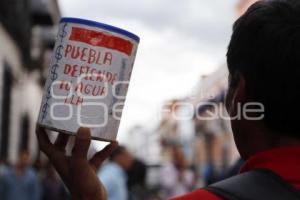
[199,194]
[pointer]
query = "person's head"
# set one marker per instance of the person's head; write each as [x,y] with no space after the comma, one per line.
[23,159]
[122,157]
[264,67]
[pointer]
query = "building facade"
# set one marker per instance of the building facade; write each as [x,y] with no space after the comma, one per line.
[27,30]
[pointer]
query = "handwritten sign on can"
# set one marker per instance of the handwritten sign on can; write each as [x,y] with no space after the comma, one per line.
[88,78]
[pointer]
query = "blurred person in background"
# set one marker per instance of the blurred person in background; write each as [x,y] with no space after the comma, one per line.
[137,181]
[113,174]
[175,177]
[53,187]
[20,182]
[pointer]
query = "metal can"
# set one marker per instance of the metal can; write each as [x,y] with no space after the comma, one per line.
[88,78]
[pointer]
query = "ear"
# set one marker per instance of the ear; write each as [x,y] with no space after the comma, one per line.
[236,95]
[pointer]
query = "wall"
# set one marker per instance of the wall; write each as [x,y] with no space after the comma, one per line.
[25,97]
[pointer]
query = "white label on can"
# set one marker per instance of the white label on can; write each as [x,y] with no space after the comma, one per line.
[88,80]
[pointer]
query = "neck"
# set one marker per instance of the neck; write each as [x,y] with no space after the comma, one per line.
[258,139]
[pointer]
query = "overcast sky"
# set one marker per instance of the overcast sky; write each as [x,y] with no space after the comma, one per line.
[180,42]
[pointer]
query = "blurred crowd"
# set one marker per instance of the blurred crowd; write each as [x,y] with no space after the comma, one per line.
[23,181]
[123,176]
[185,164]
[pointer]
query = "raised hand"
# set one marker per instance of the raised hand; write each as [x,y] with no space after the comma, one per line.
[78,173]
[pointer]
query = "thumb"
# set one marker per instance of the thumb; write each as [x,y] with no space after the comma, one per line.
[82,143]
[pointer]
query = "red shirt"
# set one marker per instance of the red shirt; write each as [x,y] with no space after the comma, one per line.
[283,161]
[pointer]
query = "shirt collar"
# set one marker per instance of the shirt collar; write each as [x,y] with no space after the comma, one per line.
[283,161]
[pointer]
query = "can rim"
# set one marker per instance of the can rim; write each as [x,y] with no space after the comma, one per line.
[101,25]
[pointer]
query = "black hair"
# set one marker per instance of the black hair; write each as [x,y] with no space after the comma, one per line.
[137,174]
[265,49]
[118,151]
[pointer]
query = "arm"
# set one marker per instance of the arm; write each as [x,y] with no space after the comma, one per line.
[78,173]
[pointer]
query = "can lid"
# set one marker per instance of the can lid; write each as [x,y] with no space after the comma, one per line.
[101,25]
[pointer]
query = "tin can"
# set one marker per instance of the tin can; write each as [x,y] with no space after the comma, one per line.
[88,78]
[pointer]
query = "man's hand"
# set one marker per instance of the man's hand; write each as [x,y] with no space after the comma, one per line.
[76,171]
